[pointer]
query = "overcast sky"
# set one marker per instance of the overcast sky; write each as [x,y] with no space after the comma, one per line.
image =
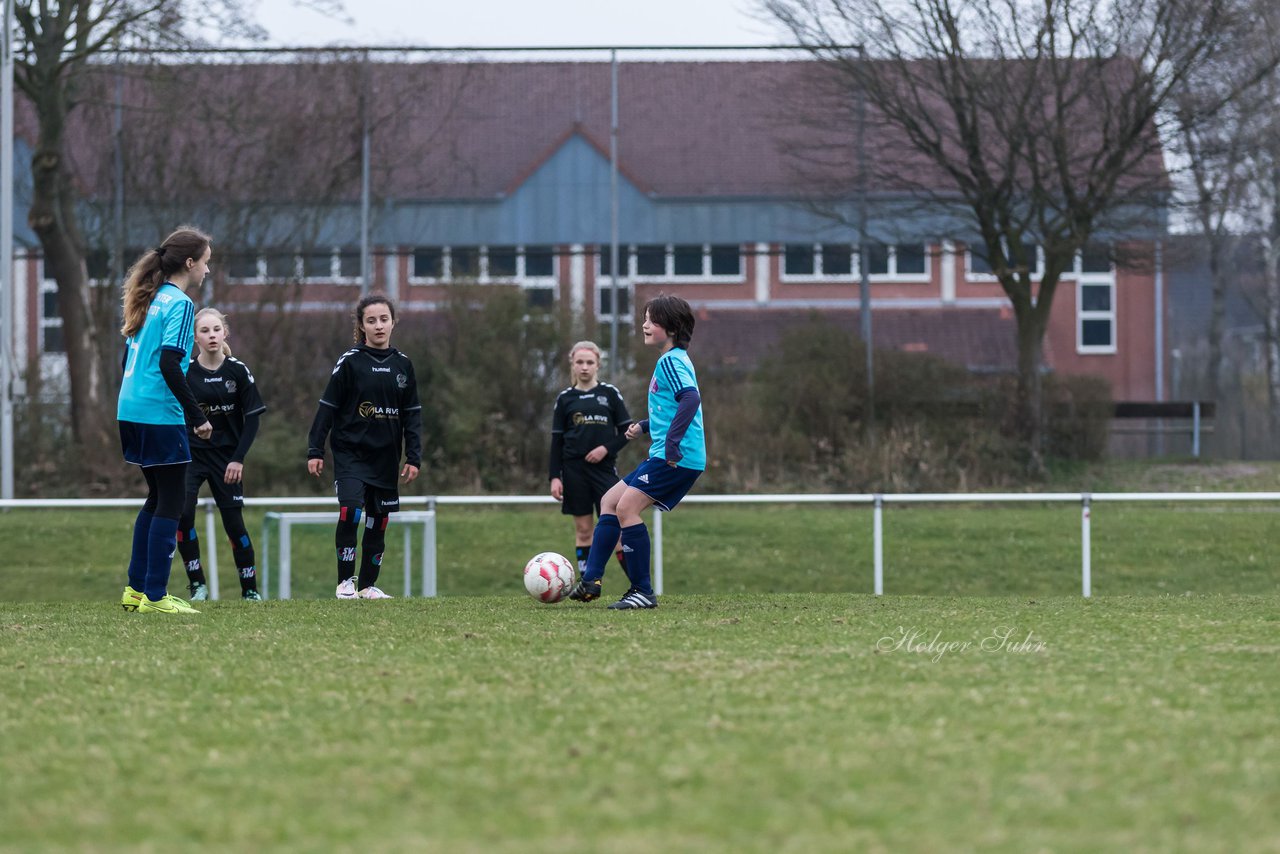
[521,23]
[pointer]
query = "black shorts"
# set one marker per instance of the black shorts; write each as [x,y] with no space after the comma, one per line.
[584,485]
[376,500]
[209,464]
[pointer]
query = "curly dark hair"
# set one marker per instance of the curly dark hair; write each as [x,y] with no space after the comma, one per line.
[674,315]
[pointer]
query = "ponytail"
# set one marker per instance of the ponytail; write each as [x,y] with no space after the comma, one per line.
[151,270]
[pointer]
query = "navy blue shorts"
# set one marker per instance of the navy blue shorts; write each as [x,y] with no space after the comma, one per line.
[665,484]
[154,444]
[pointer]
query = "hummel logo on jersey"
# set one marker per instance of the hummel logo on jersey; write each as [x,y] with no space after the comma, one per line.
[644,478]
[381,370]
[213,379]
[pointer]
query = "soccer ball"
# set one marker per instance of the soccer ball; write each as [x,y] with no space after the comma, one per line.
[548,577]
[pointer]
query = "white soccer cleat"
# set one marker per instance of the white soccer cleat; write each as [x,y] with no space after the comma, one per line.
[347,589]
[373,593]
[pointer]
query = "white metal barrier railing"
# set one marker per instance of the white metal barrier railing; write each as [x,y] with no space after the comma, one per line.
[876,500]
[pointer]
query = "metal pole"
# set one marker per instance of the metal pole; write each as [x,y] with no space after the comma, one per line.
[614,364]
[1086,568]
[864,271]
[429,552]
[1159,344]
[117,233]
[408,563]
[8,290]
[1195,429]
[366,259]
[878,543]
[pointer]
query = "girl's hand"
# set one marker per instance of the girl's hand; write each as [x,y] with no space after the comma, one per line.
[557,489]
[409,473]
[598,453]
[633,430]
[315,466]
[235,473]
[204,431]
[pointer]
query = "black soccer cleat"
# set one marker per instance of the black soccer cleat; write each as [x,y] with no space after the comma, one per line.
[586,591]
[634,600]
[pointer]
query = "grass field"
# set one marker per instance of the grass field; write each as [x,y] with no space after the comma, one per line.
[770,704]
[717,723]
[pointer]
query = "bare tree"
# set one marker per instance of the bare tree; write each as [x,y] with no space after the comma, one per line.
[55,46]
[1034,123]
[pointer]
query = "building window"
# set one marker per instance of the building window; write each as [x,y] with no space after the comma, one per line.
[281,264]
[604,298]
[503,262]
[726,260]
[540,298]
[484,263]
[1096,315]
[799,259]
[463,262]
[978,266]
[317,264]
[243,266]
[428,263]
[650,261]
[818,260]
[348,263]
[539,262]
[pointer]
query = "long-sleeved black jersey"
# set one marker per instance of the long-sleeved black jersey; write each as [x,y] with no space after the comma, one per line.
[227,397]
[584,420]
[371,405]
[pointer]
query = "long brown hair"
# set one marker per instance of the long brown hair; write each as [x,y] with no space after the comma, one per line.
[222,318]
[151,270]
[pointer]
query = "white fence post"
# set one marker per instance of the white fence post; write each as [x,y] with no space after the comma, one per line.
[429,554]
[878,543]
[210,551]
[1086,570]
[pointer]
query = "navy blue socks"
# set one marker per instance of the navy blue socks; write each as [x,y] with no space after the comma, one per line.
[635,544]
[162,540]
[602,543]
[138,557]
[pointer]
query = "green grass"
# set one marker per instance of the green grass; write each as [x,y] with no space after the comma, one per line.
[993,550]
[759,709]
[740,722]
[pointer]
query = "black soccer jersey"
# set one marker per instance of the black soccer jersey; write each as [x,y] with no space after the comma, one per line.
[226,397]
[372,404]
[587,419]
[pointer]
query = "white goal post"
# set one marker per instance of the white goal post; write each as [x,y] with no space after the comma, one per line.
[282,524]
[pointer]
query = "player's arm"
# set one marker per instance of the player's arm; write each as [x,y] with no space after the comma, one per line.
[621,421]
[171,363]
[334,393]
[411,427]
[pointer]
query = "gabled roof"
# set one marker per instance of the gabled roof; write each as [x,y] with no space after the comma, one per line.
[475,131]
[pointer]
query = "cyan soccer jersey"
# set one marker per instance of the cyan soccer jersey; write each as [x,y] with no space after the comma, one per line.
[170,325]
[674,372]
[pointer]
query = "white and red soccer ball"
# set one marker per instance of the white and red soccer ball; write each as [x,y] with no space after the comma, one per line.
[548,577]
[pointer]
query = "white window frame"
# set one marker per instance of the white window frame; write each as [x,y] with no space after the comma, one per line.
[624,284]
[1093,280]
[49,286]
[818,274]
[893,275]
[971,276]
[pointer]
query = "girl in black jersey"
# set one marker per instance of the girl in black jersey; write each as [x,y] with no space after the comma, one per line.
[588,428]
[225,390]
[371,407]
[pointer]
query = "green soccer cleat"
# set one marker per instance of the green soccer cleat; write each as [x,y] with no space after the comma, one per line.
[167,605]
[130,599]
